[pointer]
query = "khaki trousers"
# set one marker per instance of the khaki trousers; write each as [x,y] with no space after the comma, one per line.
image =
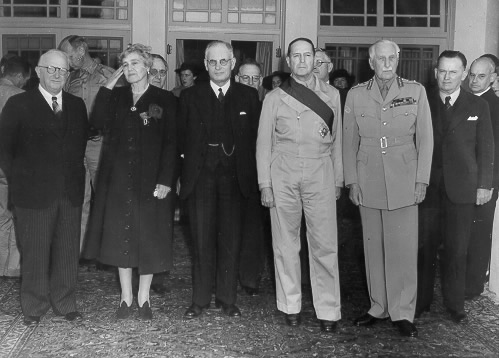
[391,250]
[308,184]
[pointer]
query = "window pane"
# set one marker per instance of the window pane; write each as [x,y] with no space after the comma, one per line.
[121,14]
[388,7]
[30,11]
[405,7]
[435,7]
[178,4]
[233,5]
[72,2]
[31,2]
[233,17]
[434,22]
[251,5]
[34,43]
[197,4]
[216,17]
[348,20]
[47,42]
[54,2]
[371,6]
[53,12]
[371,21]
[5,12]
[97,13]
[6,2]
[348,6]
[251,18]
[122,3]
[191,16]
[388,21]
[216,4]
[97,2]
[325,6]
[270,19]
[73,12]
[270,5]
[178,16]
[325,20]
[115,44]
[412,22]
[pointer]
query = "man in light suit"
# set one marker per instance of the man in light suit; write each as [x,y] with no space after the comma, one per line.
[387,151]
[218,122]
[43,134]
[461,179]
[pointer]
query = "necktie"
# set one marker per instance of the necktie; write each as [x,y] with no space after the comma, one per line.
[55,106]
[447,103]
[384,90]
[220,95]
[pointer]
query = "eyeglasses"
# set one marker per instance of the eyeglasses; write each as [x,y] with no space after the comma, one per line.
[154,72]
[223,62]
[318,63]
[246,78]
[51,70]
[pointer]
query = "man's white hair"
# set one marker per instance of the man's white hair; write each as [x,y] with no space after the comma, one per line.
[372,49]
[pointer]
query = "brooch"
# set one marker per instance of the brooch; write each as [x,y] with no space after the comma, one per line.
[323,131]
[133,109]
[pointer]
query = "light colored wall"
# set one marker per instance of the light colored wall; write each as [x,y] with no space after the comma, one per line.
[148,24]
[476,27]
[300,20]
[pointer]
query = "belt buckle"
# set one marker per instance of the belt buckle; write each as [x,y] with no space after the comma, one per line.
[383,142]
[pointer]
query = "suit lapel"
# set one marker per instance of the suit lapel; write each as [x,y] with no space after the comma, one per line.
[460,111]
[47,114]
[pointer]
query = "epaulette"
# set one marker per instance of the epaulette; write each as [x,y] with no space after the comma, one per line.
[401,81]
[369,84]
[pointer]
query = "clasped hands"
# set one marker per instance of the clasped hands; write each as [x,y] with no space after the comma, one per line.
[161,191]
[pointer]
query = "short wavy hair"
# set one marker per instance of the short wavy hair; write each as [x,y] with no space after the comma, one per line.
[142,50]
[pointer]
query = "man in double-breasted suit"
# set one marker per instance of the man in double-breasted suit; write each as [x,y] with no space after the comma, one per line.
[461,178]
[217,132]
[43,133]
[387,152]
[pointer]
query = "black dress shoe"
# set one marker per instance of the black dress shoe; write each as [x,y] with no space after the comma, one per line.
[293,319]
[406,328]
[367,320]
[159,288]
[31,320]
[328,326]
[230,310]
[251,291]
[457,316]
[145,311]
[73,316]
[195,310]
[123,311]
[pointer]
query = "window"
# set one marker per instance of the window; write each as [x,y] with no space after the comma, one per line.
[416,62]
[64,9]
[262,12]
[105,49]
[98,9]
[382,13]
[30,8]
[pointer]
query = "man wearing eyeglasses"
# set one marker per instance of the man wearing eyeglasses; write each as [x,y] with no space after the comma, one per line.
[323,65]
[300,169]
[217,131]
[43,135]
[387,153]
[84,81]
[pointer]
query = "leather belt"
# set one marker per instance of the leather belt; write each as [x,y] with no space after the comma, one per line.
[385,142]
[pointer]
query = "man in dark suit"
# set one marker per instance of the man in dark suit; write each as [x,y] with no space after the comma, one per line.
[461,178]
[218,123]
[482,74]
[43,134]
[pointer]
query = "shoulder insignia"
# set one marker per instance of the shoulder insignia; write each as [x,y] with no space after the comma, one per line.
[401,81]
[368,84]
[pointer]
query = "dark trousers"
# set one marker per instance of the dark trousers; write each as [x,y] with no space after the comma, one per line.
[215,213]
[50,246]
[252,256]
[479,247]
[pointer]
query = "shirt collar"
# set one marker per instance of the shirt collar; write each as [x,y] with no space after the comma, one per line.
[480,93]
[453,96]
[5,81]
[91,68]
[309,84]
[224,88]
[388,83]
[48,96]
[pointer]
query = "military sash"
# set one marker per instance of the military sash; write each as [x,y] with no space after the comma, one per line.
[310,99]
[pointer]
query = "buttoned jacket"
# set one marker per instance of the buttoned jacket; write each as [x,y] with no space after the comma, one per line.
[387,143]
[288,126]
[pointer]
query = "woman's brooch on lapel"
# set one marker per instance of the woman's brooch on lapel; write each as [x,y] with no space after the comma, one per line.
[155,112]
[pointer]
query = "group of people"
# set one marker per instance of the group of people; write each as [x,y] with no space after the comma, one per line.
[420,169]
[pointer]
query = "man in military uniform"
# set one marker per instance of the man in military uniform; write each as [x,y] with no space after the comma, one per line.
[387,152]
[298,153]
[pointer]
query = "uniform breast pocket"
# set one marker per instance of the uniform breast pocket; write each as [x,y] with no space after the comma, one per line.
[364,115]
[405,115]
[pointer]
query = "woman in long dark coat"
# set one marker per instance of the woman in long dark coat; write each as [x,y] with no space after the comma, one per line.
[129,225]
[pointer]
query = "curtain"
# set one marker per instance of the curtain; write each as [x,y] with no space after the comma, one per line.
[264,56]
[179,60]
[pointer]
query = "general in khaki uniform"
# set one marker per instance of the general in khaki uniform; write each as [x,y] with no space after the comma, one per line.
[387,152]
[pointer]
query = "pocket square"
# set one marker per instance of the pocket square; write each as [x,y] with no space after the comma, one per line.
[474,118]
[242,113]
